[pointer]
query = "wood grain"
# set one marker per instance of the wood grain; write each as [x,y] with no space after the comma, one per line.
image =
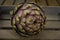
[31,1]
[18,1]
[44,35]
[41,2]
[49,24]
[8,2]
[58,1]
[5,23]
[52,3]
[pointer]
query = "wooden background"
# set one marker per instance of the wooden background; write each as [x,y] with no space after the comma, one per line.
[52,27]
[40,2]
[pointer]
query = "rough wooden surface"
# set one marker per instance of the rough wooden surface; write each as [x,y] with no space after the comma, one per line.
[5,23]
[39,2]
[58,2]
[52,3]
[31,1]
[49,24]
[18,1]
[47,34]
[8,2]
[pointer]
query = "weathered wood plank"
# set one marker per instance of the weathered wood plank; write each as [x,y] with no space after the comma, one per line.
[8,2]
[5,23]
[31,1]
[41,2]
[18,1]
[11,34]
[1,1]
[52,24]
[58,1]
[52,3]
[52,13]
[5,16]
[49,24]
[8,34]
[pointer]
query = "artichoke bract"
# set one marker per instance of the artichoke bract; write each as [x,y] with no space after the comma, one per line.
[28,19]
